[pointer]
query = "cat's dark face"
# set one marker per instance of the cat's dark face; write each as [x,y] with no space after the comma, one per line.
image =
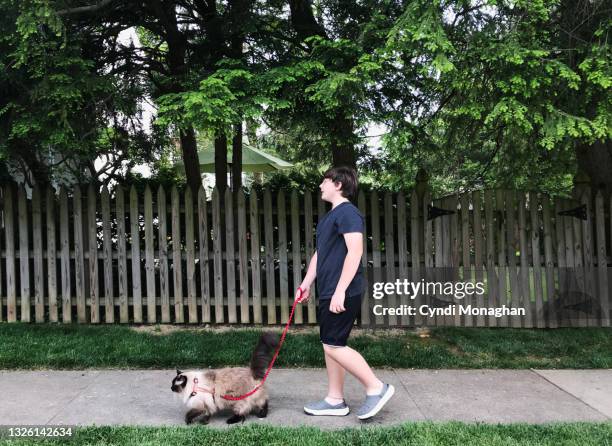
[179,382]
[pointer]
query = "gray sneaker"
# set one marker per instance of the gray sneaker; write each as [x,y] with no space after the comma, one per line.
[324,408]
[373,403]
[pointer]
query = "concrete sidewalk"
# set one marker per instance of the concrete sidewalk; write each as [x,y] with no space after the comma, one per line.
[143,397]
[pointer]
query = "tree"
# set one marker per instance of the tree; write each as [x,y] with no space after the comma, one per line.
[59,111]
[495,93]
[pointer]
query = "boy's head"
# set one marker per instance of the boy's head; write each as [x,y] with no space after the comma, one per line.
[338,181]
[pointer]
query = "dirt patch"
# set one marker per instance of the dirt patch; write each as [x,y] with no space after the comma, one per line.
[165,329]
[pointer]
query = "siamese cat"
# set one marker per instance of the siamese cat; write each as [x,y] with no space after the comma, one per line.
[201,391]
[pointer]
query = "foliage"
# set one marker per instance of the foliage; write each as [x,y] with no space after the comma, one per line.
[500,99]
[498,93]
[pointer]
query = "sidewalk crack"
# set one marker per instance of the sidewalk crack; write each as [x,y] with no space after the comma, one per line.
[569,393]
[410,396]
[94,374]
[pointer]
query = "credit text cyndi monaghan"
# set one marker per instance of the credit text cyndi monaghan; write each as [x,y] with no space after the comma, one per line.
[450,310]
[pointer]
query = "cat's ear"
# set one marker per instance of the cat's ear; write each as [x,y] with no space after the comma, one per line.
[178,372]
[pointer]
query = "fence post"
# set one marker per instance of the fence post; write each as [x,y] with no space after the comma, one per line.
[582,242]
[421,239]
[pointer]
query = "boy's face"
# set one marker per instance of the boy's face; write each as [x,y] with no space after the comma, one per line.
[330,190]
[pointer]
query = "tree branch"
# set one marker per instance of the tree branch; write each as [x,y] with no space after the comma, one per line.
[84,9]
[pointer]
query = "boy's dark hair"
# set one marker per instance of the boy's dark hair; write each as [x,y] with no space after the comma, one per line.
[345,175]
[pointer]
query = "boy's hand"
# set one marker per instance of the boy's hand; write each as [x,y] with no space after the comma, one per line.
[305,293]
[337,303]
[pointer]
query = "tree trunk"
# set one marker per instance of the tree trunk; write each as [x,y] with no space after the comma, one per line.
[341,128]
[38,172]
[221,162]
[343,142]
[237,157]
[189,149]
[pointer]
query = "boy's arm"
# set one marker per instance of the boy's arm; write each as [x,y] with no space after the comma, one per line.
[311,274]
[309,278]
[354,246]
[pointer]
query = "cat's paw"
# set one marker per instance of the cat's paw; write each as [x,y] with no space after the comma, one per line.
[205,419]
[263,412]
[192,415]
[235,419]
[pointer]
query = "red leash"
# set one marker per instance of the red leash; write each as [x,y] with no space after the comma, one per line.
[282,339]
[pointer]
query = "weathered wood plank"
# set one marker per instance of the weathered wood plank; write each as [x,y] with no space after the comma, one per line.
[109,298]
[232,316]
[121,255]
[269,257]
[365,302]
[255,257]
[441,235]
[466,258]
[9,233]
[568,230]
[39,285]
[177,267]
[65,257]
[478,252]
[492,281]
[286,298]
[51,255]
[309,250]
[243,266]
[515,290]
[590,285]
[453,257]
[560,243]
[523,273]
[402,251]
[190,252]
[501,255]
[578,249]
[203,236]
[92,261]
[376,252]
[79,252]
[162,243]
[538,311]
[426,299]
[135,250]
[416,245]
[217,255]
[296,252]
[149,259]
[24,268]
[549,259]
[390,270]
[603,292]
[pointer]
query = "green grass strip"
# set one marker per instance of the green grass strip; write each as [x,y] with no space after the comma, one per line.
[47,346]
[421,433]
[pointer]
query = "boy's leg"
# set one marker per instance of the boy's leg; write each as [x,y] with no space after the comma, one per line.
[352,361]
[335,378]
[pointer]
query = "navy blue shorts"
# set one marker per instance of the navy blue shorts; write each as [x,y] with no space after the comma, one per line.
[336,327]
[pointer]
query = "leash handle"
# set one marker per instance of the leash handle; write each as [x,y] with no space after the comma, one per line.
[299,299]
[282,339]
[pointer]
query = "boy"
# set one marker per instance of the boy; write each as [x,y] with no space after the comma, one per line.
[336,264]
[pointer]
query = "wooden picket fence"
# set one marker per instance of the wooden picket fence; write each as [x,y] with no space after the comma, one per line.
[97,256]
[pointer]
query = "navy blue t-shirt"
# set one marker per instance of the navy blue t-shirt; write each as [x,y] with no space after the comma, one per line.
[331,249]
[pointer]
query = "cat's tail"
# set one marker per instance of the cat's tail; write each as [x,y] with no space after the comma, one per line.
[262,355]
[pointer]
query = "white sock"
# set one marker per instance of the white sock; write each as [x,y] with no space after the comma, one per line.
[377,392]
